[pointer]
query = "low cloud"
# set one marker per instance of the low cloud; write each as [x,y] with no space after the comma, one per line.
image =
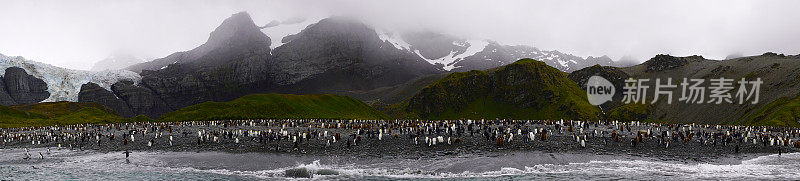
[76,34]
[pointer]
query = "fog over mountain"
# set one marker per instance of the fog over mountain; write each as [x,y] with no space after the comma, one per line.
[76,34]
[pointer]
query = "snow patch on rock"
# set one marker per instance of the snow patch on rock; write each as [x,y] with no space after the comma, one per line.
[475,46]
[278,32]
[395,40]
[448,61]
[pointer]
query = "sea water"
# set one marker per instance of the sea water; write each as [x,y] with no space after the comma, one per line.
[91,165]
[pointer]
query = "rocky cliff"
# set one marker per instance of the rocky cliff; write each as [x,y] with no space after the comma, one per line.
[24,88]
[19,87]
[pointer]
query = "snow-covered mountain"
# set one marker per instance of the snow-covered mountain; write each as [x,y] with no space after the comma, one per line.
[450,53]
[447,52]
[436,49]
[458,54]
[335,55]
[301,55]
[117,62]
[64,84]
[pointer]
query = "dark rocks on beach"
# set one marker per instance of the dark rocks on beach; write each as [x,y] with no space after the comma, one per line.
[327,172]
[301,172]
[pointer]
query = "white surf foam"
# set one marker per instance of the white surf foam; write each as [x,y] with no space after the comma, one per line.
[764,167]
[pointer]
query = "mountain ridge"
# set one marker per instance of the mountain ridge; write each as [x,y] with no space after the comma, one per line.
[778,72]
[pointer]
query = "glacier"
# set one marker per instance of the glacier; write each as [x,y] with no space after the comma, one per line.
[65,84]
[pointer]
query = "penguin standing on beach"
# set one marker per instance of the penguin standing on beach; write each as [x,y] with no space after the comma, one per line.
[583,143]
[27,154]
[543,137]
[428,141]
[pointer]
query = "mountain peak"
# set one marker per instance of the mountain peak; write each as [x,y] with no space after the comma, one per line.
[238,27]
[665,62]
[237,35]
[341,24]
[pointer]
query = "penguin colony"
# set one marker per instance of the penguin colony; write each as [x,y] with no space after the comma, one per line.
[323,136]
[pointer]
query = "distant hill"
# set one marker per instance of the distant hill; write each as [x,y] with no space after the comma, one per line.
[778,105]
[525,89]
[265,106]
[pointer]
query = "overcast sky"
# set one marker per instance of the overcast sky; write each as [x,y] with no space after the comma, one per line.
[75,34]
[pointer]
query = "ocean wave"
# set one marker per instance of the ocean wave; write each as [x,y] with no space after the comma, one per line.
[763,167]
[150,166]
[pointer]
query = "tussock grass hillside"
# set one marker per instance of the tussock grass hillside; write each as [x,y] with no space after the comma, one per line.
[59,113]
[526,89]
[264,106]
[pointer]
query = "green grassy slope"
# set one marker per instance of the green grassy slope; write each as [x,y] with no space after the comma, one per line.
[783,111]
[255,106]
[56,109]
[526,89]
[58,113]
[631,112]
[263,106]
